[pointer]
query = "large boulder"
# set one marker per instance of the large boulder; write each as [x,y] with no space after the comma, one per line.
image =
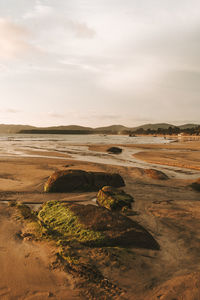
[93,226]
[196,185]
[113,198]
[81,181]
[114,150]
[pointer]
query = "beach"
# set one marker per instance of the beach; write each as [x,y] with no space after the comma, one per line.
[167,209]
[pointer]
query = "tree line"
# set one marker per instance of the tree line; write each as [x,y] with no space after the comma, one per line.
[166,131]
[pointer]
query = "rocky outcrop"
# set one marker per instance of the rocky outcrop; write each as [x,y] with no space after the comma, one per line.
[81,181]
[196,185]
[114,199]
[94,226]
[149,173]
[155,174]
[114,150]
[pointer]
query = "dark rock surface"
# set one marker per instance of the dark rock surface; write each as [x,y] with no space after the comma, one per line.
[81,181]
[118,229]
[93,226]
[196,185]
[114,150]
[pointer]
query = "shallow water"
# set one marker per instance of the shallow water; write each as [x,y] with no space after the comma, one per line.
[82,138]
[18,145]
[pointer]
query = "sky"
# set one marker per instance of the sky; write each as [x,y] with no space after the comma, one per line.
[99,62]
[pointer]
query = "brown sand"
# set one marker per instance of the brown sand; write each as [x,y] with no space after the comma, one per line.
[184,155]
[168,210]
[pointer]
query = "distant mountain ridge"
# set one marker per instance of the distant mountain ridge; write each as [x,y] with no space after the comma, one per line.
[112,128]
[4,128]
[155,126]
[12,129]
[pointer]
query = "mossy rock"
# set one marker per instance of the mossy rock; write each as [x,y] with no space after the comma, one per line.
[196,185]
[114,199]
[81,181]
[93,226]
[62,223]
[114,150]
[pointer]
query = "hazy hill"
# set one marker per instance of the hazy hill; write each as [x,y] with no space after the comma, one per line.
[112,128]
[4,128]
[68,127]
[185,126]
[154,126]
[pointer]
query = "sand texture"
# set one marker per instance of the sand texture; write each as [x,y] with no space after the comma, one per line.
[168,209]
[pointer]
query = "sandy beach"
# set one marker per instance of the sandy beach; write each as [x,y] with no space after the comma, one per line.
[168,209]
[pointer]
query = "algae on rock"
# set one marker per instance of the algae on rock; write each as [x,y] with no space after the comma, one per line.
[114,199]
[63,223]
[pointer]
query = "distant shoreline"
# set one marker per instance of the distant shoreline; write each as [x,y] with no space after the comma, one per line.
[41,131]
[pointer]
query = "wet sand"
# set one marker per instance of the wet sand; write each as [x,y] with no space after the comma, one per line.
[169,210]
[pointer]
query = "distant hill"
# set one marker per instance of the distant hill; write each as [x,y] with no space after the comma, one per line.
[55,131]
[68,127]
[4,128]
[112,128]
[76,129]
[185,126]
[154,126]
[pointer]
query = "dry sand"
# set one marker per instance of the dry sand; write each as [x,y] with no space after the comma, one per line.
[169,210]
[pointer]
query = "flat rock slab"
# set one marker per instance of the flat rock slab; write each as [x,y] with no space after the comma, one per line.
[81,181]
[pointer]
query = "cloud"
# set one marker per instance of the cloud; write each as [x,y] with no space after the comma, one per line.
[75,63]
[14,39]
[10,111]
[55,115]
[45,14]
[40,11]
[80,29]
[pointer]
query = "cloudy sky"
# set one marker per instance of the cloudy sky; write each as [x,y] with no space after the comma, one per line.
[99,62]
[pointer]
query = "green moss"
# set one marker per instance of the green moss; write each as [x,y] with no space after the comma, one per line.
[62,223]
[34,229]
[68,256]
[114,199]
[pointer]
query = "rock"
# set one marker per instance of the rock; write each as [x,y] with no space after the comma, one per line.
[24,210]
[93,226]
[148,173]
[155,174]
[196,185]
[81,181]
[113,199]
[114,150]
